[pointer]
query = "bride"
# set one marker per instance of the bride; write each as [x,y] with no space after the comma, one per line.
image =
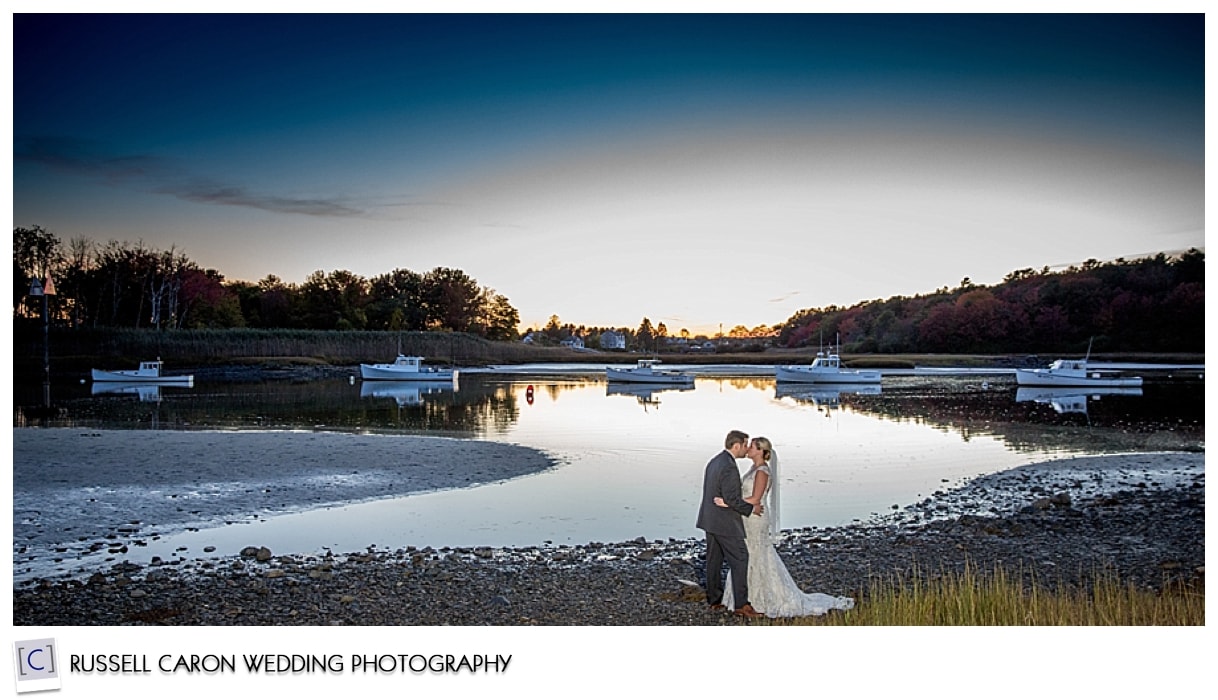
[772,591]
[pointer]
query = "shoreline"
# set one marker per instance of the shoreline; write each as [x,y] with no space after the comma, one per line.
[1139,515]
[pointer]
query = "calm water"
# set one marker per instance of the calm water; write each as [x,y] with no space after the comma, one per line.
[630,460]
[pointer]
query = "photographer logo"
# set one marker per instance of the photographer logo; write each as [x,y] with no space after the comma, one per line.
[36,665]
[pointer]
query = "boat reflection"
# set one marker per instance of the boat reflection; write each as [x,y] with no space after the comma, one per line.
[1071,399]
[643,392]
[822,394]
[407,393]
[146,391]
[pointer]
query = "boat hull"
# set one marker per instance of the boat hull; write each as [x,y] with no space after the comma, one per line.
[134,377]
[644,377]
[394,374]
[818,376]
[1045,378]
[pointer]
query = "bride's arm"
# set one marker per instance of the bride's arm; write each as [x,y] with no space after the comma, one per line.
[760,479]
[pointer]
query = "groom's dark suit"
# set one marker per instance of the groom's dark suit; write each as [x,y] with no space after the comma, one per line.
[724,529]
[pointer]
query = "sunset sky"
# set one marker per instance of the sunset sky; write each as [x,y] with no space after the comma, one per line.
[694,169]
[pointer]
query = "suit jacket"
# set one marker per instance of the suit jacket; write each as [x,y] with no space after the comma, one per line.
[722,479]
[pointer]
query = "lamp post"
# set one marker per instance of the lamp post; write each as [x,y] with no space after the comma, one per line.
[38,289]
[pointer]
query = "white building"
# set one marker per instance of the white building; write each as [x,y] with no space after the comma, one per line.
[612,340]
[574,342]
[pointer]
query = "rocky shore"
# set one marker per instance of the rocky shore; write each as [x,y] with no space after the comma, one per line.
[1141,517]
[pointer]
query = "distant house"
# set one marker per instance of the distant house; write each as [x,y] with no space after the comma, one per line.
[574,342]
[612,340]
[528,338]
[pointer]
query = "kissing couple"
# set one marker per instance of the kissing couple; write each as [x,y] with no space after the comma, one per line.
[741,530]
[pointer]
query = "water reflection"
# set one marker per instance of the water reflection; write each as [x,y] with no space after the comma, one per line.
[625,472]
[410,393]
[144,391]
[647,395]
[1071,399]
[489,405]
[827,395]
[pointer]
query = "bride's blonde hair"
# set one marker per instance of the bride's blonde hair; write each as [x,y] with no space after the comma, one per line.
[767,447]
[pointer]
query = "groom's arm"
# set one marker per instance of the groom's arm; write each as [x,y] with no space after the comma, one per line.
[729,487]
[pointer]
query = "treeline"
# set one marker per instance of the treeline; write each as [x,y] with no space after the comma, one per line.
[123,285]
[1154,304]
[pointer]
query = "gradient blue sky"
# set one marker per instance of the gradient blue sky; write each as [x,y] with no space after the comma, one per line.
[694,169]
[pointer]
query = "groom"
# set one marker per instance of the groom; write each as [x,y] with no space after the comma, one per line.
[724,527]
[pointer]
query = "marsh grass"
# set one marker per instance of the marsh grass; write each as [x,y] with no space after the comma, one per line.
[970,598]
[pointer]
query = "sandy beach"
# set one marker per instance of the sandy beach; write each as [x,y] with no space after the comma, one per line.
[1140,515]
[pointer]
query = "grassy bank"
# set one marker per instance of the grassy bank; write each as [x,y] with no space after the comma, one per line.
[1003,599]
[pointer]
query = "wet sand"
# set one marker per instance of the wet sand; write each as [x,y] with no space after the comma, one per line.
[71,484]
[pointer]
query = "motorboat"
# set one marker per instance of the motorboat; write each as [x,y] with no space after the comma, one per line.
[407,393]
[645,372]
[1073,373]
[149,372]
[1070,399]
[827,369]
[405,368]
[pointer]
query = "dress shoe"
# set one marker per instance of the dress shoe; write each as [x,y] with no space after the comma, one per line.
[748,611]
[718,607]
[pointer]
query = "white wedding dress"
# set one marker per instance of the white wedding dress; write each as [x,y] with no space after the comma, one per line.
[772,591]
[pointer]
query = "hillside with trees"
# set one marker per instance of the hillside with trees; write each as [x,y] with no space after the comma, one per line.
[1154,304]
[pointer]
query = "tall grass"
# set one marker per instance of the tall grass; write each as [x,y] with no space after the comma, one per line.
[999,599]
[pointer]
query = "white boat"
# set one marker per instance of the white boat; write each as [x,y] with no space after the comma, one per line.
[408,393]
[826,369]
[149,372]
[405,368]
[1073,373]
[645,372]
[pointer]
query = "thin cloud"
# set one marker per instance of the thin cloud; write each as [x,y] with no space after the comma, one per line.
[784,297]
[158,175]
[234,196]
